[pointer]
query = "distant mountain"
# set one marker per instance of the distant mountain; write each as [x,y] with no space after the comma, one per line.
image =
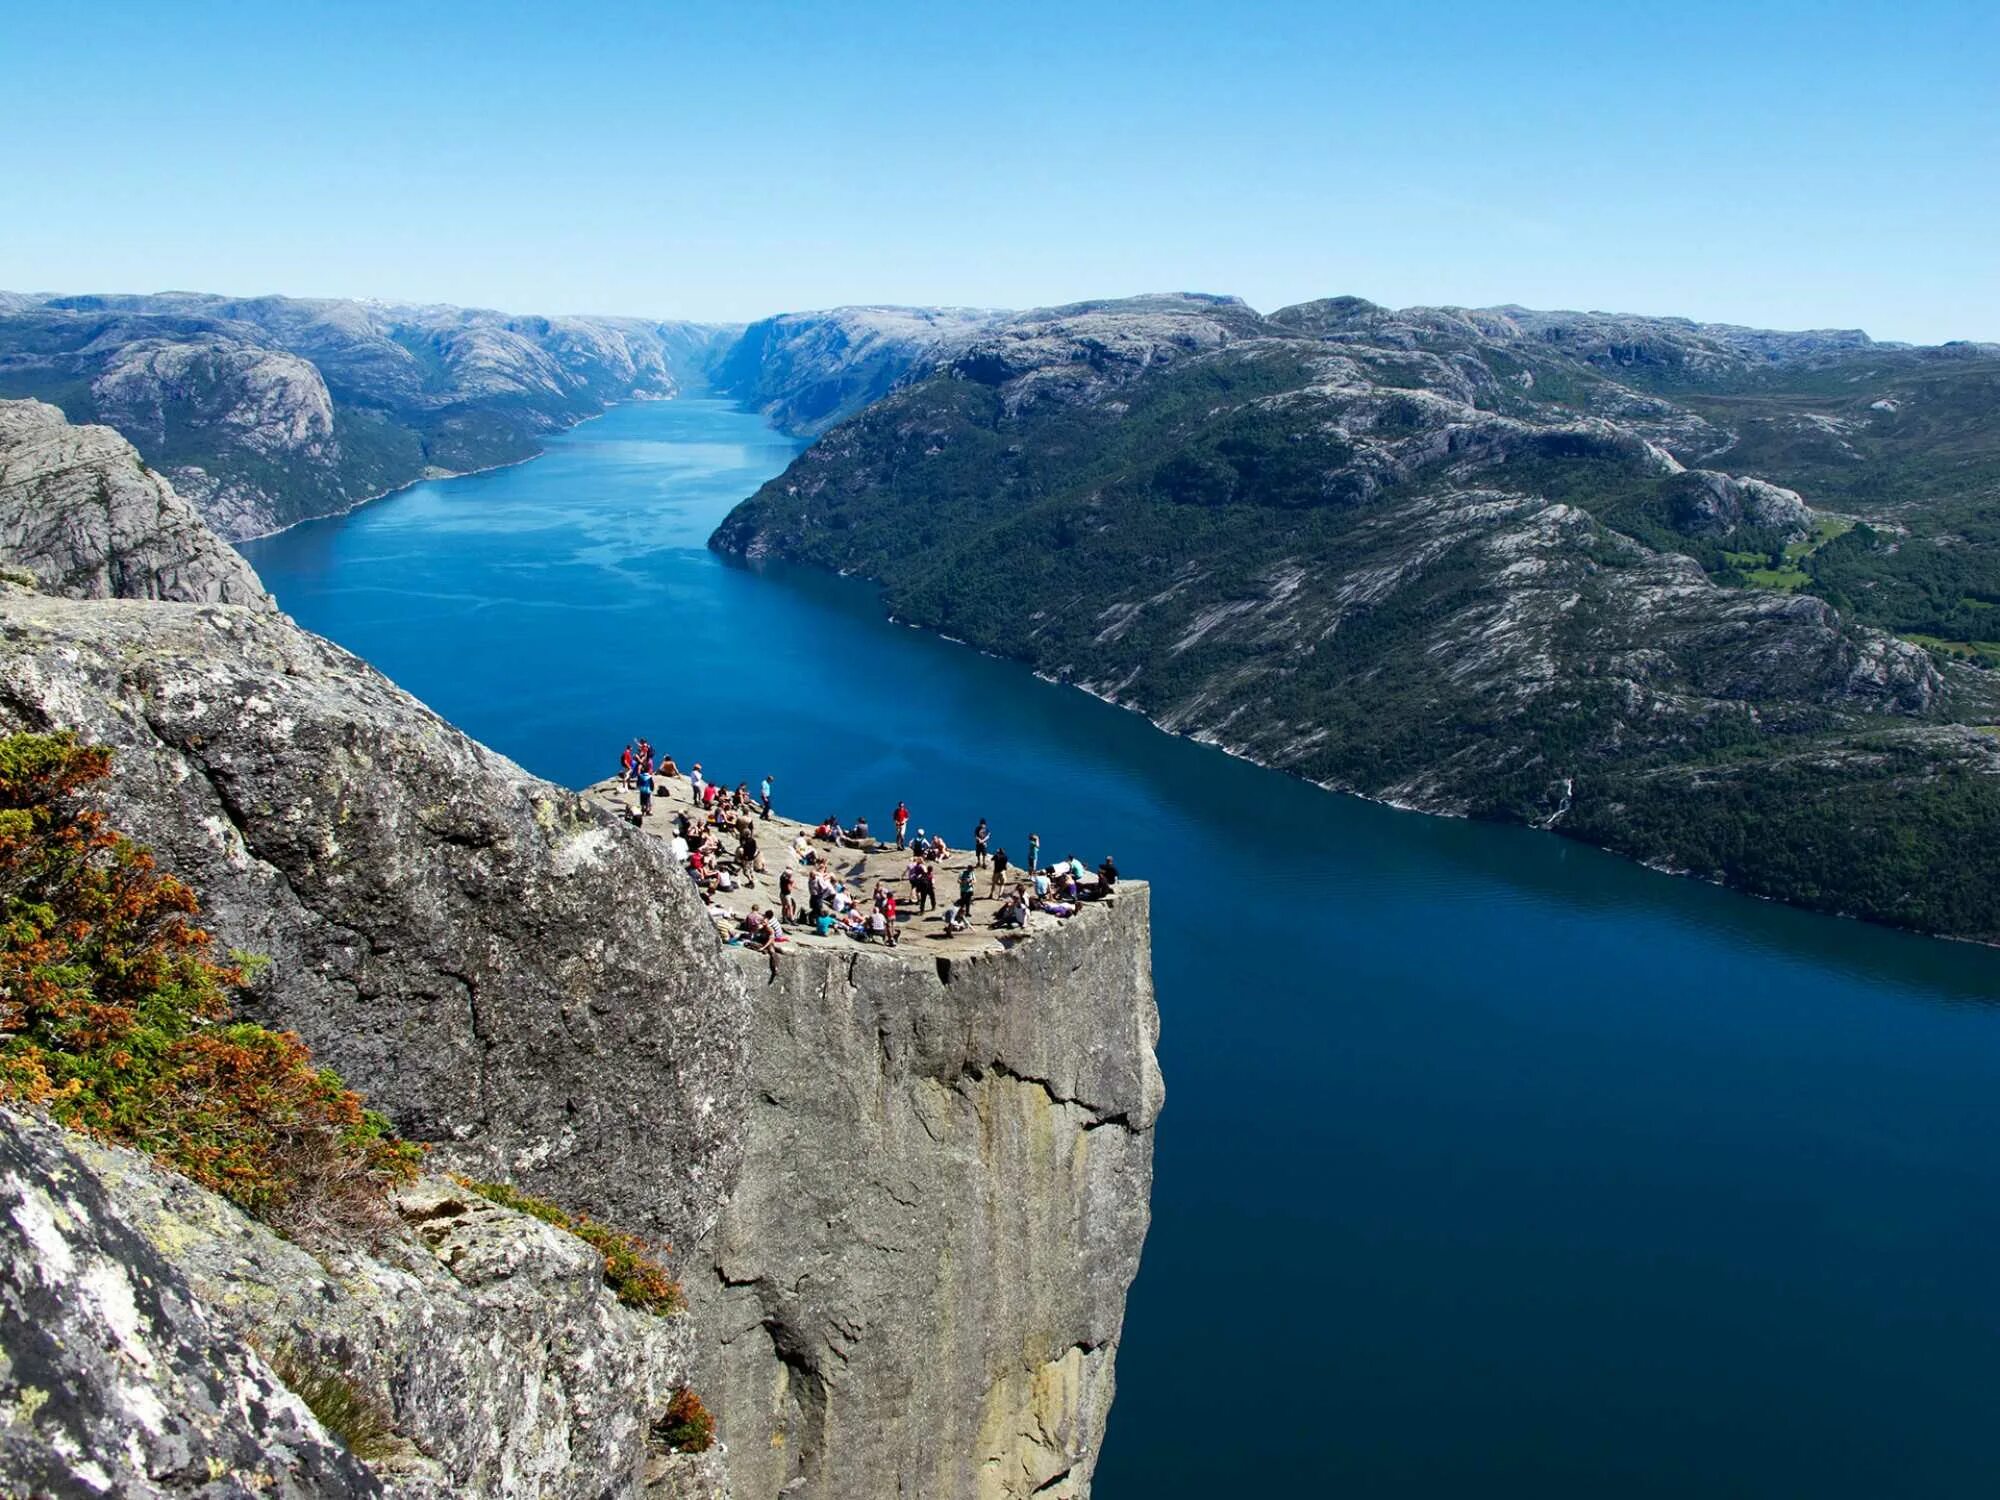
[1639,580]
[267,410]
[806,371]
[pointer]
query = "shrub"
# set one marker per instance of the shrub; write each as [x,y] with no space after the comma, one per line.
[114,1017]
[686,1427]
[631,1267]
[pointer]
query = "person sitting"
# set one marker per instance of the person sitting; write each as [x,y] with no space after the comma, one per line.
[1013,911]
[1107,877]
[857,836]
[765,936]
[955,921]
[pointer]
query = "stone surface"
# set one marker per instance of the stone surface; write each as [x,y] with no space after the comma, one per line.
[917,1287]
[487,1339]
[114,1377]
[81,512]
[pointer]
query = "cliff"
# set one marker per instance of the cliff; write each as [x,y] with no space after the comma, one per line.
[528,985]
[80,511]
[917,1286]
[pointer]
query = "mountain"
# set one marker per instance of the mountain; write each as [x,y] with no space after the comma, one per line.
[1638,580]
[85,516]
[806,371]
[269,410]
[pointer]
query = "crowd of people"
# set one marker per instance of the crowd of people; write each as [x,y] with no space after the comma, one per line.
[715,839]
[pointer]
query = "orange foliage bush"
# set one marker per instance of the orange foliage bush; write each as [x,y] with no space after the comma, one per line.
[114,1016]
[687,1427]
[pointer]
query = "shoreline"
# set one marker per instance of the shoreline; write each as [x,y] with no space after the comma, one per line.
[1207,741]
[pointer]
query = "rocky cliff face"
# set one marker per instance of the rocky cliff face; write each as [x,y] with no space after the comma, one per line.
[148,1329]
[459,939]
[917,1288]
[81,511]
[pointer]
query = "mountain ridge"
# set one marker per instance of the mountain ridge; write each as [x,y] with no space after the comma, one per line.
[1450,561]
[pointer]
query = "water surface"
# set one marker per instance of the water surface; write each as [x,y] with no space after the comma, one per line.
[1491,1165]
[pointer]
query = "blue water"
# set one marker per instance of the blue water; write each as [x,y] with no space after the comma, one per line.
[1491,1165]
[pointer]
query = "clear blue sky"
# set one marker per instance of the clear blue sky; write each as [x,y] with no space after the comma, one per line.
[1834,164]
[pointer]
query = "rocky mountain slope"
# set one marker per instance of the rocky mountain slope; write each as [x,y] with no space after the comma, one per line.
[86,517]
[806,371]
[268,410]
[1479,562]
[530,988]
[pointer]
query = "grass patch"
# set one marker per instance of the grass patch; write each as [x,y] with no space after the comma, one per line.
[348,1411]
[1762,570]
[115,1018]
[1981,653]
[631,1268]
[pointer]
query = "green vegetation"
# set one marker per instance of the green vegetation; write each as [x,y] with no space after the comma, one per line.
[360,1422]
[630,1267]
[1894,828]
[1979,653]
[114,1017]
[1786,569]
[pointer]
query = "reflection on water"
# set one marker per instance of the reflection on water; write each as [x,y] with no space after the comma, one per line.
[1491,1164]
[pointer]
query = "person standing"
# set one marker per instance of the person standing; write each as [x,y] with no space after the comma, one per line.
[1034,852]
[695,783]
[965,881]
[764,796]
[979,844]
[999,872]
[645,794]
[902,821]
[625,765]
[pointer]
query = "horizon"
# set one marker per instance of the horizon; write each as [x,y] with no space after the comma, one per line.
[932,307]
[1785,169]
